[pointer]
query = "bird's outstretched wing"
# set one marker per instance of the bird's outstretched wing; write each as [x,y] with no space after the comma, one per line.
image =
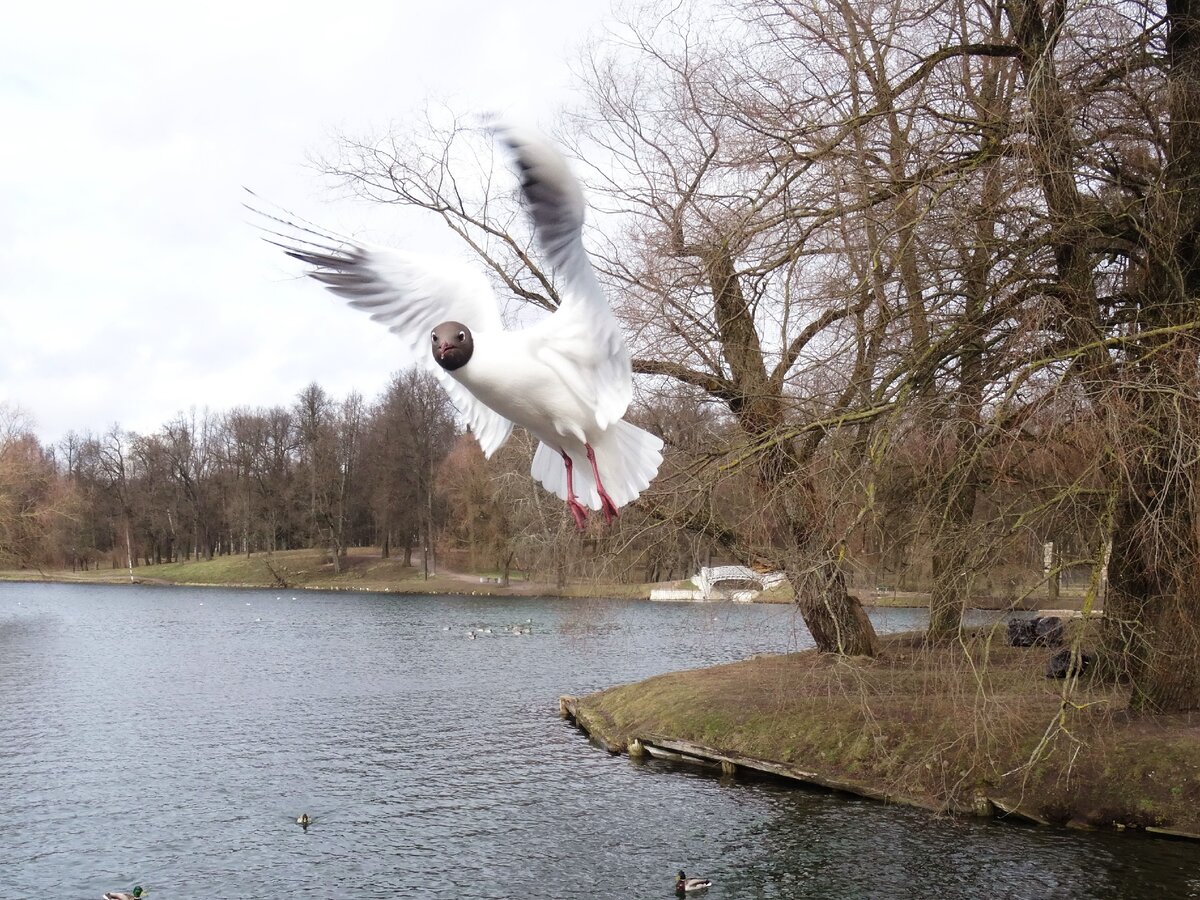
[581,340]
[408,294]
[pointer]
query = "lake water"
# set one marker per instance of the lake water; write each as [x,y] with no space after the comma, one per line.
[169,737]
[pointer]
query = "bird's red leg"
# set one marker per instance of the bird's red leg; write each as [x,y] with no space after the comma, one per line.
[606,505]
[576,508]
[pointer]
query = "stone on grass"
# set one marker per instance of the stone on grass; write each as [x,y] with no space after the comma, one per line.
[1049,631]
[1060,664]
[1021,633]
[1040,631]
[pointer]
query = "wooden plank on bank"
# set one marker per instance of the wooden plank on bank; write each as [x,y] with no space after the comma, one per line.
[729,761]
[1012,808]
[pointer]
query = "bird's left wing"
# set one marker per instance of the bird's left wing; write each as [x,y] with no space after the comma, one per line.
[407,294]
[581,341]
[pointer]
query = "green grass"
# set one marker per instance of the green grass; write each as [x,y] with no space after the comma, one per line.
[362,569]
[295,568]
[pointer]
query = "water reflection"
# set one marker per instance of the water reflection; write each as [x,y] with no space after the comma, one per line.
[170,738]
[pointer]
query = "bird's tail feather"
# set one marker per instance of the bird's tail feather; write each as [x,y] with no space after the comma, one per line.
[627,456]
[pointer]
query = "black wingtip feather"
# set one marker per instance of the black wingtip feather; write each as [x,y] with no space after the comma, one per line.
[296,227]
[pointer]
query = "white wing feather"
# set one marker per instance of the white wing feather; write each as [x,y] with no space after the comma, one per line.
[408,295]
[581,341]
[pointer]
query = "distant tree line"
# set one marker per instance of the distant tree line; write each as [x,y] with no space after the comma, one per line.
[321,472]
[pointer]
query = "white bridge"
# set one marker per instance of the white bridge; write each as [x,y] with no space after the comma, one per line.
[738,583]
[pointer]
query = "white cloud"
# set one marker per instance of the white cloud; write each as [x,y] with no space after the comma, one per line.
[131,287]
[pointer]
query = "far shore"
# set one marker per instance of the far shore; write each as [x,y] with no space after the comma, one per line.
[364,570]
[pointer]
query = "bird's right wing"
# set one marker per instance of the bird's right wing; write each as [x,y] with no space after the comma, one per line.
[405,293]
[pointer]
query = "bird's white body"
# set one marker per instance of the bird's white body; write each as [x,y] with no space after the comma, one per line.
[506,374]
[567,378]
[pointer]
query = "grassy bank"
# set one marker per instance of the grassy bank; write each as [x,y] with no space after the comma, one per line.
[976,726]
[362,569]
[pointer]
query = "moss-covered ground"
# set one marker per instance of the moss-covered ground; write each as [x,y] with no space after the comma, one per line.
[946,727]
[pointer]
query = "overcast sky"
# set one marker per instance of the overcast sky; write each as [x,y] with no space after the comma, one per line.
[131,286]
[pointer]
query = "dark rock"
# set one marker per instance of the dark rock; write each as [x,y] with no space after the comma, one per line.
[1049,631]
[1060,666]
[1042,631]
[1021,633]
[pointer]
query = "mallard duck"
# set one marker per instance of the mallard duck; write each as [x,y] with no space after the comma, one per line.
[304,821]
[125,895]
[685,885]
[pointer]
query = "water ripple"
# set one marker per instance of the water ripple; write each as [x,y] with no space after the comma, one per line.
[170,737]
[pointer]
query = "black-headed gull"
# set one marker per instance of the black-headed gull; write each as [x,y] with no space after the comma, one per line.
[567,378]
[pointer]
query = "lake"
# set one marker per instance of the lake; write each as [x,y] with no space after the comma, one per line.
[169,737]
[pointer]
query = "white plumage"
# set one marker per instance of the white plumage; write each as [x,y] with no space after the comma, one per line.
[567,378]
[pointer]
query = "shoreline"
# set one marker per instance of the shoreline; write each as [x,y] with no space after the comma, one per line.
[463,584]
[729,763]
[898,730]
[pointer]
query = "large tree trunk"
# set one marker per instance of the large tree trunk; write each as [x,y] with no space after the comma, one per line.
[1153,602]
[951,569]
[1170,680]
[835,618]
[1151,609]
[1154,574]
[506,569]
[953,546]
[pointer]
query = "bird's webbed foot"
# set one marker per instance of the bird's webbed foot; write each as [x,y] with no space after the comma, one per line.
[577,509]
[579,512]
[608,508]
[606,504]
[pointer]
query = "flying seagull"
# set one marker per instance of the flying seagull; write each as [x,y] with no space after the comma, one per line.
[566,378]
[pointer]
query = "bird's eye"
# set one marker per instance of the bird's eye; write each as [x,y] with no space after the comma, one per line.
[434,336]
[462,335]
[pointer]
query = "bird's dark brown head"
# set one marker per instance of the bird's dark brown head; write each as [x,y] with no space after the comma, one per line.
[452,345]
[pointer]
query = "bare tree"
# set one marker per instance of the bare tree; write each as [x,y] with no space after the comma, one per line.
[189,442]
[31,501]
[116,466]
[330,436]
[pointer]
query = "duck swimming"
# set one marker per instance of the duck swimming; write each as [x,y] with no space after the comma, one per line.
[685,885]
[304,821]
[135,894]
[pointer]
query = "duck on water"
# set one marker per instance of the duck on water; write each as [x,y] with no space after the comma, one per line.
[685,885]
